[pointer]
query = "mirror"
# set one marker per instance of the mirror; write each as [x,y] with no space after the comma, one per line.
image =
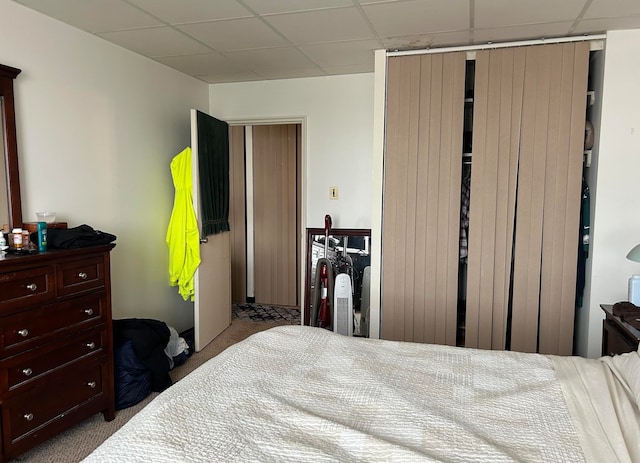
[10,203]
[348,252]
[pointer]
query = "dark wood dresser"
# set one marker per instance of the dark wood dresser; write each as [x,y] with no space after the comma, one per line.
[618,336]
[56,347]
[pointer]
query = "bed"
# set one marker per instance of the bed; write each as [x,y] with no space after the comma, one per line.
[297,393]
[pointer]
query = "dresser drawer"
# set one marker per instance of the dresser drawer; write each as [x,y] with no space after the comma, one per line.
[28,367]
[50,400]
[80,275]
[24,288]
[29,328]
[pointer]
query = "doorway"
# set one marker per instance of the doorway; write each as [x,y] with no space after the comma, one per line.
[265,212]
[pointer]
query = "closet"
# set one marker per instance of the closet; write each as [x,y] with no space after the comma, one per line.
[482,189]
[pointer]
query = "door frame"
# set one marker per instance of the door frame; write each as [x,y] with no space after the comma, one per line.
[302,120]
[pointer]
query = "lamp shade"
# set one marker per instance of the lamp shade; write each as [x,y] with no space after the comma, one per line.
[634,254]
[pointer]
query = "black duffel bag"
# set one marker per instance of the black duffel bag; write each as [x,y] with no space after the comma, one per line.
[77,237]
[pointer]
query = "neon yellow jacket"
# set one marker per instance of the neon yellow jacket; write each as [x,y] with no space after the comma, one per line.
[183,236]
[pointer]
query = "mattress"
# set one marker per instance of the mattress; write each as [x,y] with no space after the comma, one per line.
[297,393]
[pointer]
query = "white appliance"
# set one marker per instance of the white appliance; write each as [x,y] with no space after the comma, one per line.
[343,305]
[365,304]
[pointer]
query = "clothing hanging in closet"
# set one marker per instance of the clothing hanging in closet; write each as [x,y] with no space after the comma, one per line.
[583,245]
[465,197]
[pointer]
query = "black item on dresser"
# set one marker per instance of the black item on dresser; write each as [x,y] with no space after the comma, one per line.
[77,237]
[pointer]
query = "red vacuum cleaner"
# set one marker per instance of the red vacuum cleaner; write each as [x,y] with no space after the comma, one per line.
[323,287]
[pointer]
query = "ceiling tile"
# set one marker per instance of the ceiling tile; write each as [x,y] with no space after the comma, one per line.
[94,15]
[286,6]
[525,32]
[612,8]
[602,25]
[226,40]
[351,69]
[291,73]
[368,2]
[417,17]
[497,13]
[342,53]
[228,77]
[196,65]
[234,34]
[322,25]
[414,42]
[270,58]
[174,12]
[156,41]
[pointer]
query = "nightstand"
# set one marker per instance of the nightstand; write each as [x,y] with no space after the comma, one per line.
[618,336]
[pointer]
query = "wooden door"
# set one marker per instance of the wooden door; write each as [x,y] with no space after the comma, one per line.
[212,302]
[275,214]
[265,213]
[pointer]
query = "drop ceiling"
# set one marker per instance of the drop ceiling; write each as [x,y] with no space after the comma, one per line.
[245,40]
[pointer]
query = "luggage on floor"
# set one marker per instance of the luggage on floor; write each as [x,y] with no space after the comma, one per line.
[132,379]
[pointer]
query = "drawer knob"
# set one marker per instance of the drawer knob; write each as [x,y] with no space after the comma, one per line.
[28,416]
[88,311]
[23,333]
[32,287]
[27,371]
[82,275]
[92,384]
[91,345]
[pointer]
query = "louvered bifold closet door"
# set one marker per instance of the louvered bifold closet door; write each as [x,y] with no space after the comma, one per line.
[548,202]
[421,206]
[499,81]
[529,115]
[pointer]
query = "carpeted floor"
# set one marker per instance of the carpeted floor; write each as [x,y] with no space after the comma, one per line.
[76,443]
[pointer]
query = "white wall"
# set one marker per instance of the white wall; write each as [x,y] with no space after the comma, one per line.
[97,128]
[339,137]
[337,115]
[616,217]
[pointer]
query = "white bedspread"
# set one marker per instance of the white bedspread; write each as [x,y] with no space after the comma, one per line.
[297,393]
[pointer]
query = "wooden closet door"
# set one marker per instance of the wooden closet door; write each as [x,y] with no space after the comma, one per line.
[549,192]
[421,205]
[276,242]
[529,116]
[237,211]
[498,88]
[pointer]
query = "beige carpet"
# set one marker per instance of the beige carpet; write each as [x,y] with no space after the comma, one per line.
[76,443]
